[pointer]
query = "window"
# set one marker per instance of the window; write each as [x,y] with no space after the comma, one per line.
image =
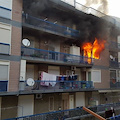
[96,76]
[3,77]
[5,40]
[3,72]
[51,103]
[5,8]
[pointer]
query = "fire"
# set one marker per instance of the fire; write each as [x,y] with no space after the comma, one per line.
[93,50]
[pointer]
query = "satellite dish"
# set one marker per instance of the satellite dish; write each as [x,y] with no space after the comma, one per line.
[30,82]
[111,57]
[26,42]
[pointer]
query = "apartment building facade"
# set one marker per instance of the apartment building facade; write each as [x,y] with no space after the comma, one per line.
[46,39]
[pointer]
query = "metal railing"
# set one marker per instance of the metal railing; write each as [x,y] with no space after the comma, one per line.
[4,48]
[114,84]
[115,118]
[114,64]
[47,25]
[3,85]
[115,45]
[57,85]
[71,113]
[54,56]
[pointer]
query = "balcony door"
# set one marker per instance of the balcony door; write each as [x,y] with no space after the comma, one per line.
[30,71]
[113,76]
[71,101]
[51,53]
[83,75]
[65,101]
[89,76]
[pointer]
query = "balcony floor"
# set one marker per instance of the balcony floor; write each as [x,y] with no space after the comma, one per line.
[54,62]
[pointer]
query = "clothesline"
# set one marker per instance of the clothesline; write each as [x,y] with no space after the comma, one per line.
[46,78]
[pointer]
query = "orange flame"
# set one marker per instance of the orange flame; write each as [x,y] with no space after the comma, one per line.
[93,50]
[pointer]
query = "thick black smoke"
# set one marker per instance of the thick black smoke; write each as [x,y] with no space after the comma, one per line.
[90,26]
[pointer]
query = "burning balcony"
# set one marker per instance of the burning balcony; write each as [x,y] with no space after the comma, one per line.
[93,49]
[49,27]
[54,57]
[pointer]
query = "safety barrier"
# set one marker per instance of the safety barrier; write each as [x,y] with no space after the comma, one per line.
[54,56]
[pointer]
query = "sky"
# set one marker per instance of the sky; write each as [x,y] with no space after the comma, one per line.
[113,6]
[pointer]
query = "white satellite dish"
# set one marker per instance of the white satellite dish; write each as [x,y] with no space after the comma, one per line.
[26,42]
[30,82]
[111,57]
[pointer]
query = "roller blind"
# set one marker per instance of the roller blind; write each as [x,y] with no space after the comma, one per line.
[96,76]
[3,72]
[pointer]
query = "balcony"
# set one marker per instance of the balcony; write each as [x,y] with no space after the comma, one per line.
[114,84]
[114,64]
[56,86]
[4,48]
[114,46]
[54,57]
[49,27]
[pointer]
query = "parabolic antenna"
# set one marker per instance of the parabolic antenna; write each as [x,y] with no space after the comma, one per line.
[30,82]
[111,57]
[26,42]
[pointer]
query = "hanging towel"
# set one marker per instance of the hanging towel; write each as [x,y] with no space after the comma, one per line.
[48,79]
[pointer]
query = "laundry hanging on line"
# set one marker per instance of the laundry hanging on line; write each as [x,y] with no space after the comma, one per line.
[48,79]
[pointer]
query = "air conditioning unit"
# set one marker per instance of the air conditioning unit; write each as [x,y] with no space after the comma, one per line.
[38,96]
[73,67]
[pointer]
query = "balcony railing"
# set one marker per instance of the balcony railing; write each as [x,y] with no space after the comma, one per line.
[4,48]
[54,56]
[3,85]
[46,25]
[115,45]
[77,113]
[114,84]
[114,64]
[57,86]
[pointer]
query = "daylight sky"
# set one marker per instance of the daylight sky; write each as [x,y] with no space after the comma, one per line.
[113,6]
